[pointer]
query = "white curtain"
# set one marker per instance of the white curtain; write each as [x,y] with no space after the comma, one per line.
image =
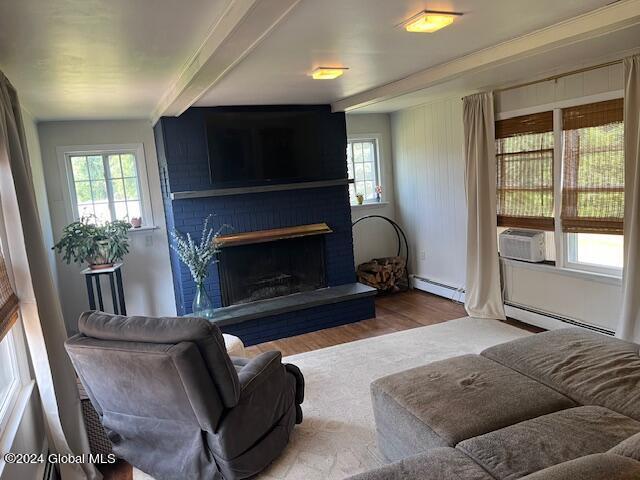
[483,296]
[39,305]
[629,327]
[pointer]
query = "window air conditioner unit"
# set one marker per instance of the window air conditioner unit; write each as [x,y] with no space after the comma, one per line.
[526,245]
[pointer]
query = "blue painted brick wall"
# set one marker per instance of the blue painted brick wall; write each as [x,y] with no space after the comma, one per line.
[183,161]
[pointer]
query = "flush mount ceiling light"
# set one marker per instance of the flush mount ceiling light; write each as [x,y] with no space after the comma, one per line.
[429,21]
[328,73]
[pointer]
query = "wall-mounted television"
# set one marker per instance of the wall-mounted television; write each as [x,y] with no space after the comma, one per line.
[275,144]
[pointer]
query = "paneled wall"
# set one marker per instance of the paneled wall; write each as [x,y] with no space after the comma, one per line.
[594,82]
[429,185]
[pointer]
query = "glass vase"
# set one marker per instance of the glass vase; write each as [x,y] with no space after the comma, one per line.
[202,306]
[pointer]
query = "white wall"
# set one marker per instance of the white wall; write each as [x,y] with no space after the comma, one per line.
[430,200]
[429,184]
[39,185]
[375,238]
[146,271]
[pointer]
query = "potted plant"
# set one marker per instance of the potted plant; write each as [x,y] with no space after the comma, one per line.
[198,256]
[98,245]
[360,198]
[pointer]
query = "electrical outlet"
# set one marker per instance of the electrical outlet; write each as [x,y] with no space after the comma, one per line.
[423,255]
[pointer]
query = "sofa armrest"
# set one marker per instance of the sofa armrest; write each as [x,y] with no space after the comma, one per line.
[256,370]
[436,464]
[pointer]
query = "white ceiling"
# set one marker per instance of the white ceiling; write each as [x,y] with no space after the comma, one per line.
[76,59]
[364,36]
[561,60]
[73,59]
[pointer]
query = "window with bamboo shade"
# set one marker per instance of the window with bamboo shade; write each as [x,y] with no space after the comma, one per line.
[8,301]
[593,168]
[524,154]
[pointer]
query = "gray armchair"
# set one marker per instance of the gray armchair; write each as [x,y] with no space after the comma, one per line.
[175,405]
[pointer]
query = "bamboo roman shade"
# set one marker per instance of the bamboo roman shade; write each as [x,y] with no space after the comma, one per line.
[524,154]
[593,169]
[8,301]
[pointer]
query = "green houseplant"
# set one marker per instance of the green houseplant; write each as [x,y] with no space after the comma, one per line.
[199,256]
[100,245]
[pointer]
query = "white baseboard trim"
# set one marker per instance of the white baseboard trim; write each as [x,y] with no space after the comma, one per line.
[437,288]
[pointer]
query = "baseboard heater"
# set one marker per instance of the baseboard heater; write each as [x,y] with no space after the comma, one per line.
[437,288]
[516,311]
[549,318]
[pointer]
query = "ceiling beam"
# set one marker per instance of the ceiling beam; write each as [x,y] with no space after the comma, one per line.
[240,29]
[604,20]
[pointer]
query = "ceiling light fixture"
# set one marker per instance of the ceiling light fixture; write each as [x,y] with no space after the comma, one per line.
[328,73]
[429,21]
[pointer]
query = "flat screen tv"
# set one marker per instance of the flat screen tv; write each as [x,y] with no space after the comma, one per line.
[271,145]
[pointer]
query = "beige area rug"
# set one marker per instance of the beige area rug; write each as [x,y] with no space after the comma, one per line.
[337,436]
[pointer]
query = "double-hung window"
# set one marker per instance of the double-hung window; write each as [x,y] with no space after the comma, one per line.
[363,169]
[593,185]
[590,175]
[107,183]
[524,153]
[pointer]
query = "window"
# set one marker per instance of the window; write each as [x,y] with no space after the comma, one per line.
[593,185]
[9,377]
[590,177]
[9,373]
[106,186]
[362,168]
[524,153]
[107,183]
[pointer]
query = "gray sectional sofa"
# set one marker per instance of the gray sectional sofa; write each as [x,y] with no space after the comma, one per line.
[557,405]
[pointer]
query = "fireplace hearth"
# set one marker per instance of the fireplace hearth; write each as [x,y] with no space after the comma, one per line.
[272,263]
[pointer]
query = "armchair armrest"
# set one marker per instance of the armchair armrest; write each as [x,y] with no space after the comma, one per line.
[258,369]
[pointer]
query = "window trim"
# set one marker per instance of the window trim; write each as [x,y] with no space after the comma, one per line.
[560,237]
[376,138]
[64,164]
[7,404]
[569,238]
[13,411]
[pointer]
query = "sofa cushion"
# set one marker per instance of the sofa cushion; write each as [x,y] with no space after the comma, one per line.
[535,444]
[592,369]
[437,464]
[445,402]
[170,330]
[628,448]
[601,466]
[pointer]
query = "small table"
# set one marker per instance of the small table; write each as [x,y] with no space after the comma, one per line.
[117,297]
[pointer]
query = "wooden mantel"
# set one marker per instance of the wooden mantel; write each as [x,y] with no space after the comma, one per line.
[262,236]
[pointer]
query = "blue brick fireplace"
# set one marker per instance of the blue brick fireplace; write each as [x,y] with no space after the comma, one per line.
[189,198]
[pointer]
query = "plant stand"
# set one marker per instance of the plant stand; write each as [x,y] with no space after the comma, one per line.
[115,282]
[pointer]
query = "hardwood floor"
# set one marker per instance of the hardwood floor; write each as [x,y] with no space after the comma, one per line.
[394,313]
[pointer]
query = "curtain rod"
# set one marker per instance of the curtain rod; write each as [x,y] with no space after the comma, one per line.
[560,75]
[556,77]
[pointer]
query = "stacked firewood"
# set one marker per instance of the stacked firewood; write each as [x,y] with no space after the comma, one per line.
[388,274]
